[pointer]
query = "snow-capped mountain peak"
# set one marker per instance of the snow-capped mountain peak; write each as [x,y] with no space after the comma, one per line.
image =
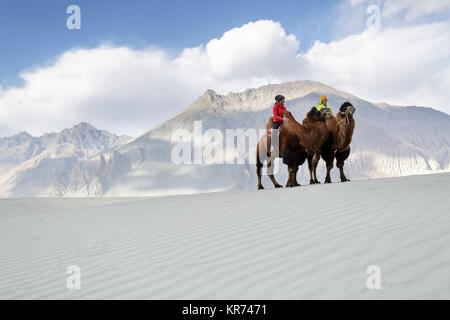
[256,99]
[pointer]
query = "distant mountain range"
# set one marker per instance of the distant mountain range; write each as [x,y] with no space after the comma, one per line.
[83,161]
[32,166]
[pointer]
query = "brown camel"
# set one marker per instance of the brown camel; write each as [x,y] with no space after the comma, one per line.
[294,141]
[337,146]
[314,145]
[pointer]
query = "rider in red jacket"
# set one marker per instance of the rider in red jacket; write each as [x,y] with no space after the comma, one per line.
[278,110]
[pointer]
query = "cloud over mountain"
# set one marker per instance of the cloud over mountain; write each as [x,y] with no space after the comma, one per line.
[128,90]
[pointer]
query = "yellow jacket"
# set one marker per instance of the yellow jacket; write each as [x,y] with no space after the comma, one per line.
[321,105]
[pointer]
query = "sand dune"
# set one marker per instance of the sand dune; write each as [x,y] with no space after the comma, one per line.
[311,242]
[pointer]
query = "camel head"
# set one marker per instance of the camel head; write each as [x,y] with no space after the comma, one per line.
[317,115]
[347,109]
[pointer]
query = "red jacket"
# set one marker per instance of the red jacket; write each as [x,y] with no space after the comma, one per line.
[278,110]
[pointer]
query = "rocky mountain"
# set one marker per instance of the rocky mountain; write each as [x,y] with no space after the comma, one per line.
[388,141]
[29,164]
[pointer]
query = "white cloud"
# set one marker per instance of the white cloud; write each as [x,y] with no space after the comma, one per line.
[357,2]
[256,49]
[405,66]
[129,91]
[413,8]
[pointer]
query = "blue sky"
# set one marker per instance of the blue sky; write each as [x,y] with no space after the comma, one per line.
[136,63]
[33,32]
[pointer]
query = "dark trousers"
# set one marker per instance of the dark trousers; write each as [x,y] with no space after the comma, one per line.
[277,124]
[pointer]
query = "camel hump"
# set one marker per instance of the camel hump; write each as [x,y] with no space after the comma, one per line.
[269,123]
[312,113]
[288,115]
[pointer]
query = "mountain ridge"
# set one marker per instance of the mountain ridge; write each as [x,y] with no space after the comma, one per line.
[389,141]
[23,152]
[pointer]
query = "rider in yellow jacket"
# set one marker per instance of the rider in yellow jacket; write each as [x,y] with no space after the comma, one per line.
[324,104]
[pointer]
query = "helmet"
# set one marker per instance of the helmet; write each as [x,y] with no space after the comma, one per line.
[323,98]
[279,97]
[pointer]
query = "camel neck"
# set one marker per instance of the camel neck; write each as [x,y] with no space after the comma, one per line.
[344,133]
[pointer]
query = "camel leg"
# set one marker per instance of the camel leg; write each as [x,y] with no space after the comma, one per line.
[260,186]
[294,173]
[329,167]
[272,176]
[259,166]
[340,165]
[289,183]
[296,184]
[310,167]
[340,159]
[315,162]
